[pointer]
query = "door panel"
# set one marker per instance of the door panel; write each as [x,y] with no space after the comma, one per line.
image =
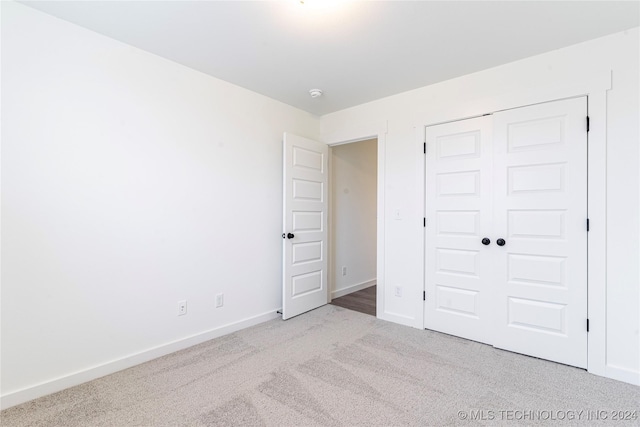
[458,207]
[519,176]
[305,216]
[540,209]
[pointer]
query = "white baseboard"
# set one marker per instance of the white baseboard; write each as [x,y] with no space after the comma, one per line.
[353,288]
[398,318]
[622,374]
[58,384]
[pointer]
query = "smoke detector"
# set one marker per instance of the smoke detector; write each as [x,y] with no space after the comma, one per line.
[315,93]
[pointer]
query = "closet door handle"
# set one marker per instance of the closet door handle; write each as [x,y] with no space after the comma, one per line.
[500,242]
[486,241]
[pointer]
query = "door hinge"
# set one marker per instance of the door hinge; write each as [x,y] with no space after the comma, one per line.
[587,325]
[424,222]
[587,123]
[424,295]
[425,148]
[587,224]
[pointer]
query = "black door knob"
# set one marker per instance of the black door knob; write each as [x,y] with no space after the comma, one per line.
[290,236]
[500,242]
[486,241]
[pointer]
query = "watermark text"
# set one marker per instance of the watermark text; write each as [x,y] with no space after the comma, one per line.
[548,415]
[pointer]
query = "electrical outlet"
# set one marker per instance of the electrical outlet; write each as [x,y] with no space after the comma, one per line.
[219,300]
[344,271]
[182,308]
[398,291]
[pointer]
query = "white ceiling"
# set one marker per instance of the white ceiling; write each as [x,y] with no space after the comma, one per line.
[354,51]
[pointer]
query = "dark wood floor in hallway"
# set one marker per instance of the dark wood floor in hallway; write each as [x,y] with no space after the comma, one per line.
[363,301]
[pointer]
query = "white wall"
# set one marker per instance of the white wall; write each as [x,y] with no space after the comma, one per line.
[353,212]
[407,113]
[128,183]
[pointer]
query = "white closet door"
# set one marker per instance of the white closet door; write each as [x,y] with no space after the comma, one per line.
[458,207]
[540,210]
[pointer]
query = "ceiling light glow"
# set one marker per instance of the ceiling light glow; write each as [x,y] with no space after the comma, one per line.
[321,4]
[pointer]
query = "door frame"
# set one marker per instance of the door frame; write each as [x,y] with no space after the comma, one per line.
[375,130]
[594,87]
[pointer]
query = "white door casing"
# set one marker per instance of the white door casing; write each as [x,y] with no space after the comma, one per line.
[305,186]
[532,192]
[540,210]
[458,207]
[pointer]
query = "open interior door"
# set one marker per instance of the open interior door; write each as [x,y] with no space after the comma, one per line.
[304,232]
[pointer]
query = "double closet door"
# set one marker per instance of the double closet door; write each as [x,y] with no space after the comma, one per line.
[506,235]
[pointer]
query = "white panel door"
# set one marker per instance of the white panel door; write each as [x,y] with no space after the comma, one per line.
[458,208]
[305,183]
[540,211]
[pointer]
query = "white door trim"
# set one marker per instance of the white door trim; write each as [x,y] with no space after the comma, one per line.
[364,132]
[595,87]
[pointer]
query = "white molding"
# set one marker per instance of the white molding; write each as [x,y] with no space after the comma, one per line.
[595,87]
[361,132]
[353,288]
[330,221]
[381,233]
[355,133]
[421,194]
[597,236]
[620,374]
[565,87]
[401,319]
[67,381]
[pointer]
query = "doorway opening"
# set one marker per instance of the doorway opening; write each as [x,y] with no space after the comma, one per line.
[353,225]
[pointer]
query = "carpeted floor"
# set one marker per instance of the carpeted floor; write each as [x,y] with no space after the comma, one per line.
[333,367]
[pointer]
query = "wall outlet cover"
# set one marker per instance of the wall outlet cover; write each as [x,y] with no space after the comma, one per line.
[182,307]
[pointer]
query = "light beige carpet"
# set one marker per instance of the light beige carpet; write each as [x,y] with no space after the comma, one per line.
[336,367]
